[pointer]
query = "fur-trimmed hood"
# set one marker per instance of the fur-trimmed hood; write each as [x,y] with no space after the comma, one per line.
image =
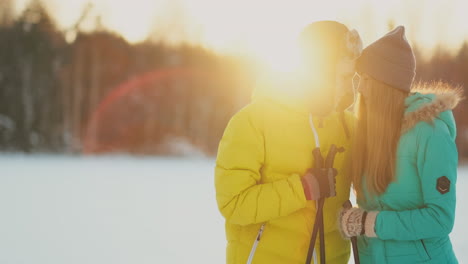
[430,101]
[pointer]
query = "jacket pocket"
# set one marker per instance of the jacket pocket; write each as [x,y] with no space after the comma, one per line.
[422,250]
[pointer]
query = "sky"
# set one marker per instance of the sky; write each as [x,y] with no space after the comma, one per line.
[266,26]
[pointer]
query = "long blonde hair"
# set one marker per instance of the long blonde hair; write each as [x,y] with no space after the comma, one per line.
[380,115]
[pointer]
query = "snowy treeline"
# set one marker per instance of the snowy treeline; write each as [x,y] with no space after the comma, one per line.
[66,90]
[58,89]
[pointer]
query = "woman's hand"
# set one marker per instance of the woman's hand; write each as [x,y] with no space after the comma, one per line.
[357,222]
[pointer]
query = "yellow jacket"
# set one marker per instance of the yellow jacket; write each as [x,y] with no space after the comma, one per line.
[265,149]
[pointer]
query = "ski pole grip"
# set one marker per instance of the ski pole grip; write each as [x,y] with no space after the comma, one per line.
[331,156]
[347,204]
[318,158]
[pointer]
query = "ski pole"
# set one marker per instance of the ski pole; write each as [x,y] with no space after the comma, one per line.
[319,224]
[329,162]
[318,164]
[314,232]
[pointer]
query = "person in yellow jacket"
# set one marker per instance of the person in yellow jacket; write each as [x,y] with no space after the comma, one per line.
[262,186]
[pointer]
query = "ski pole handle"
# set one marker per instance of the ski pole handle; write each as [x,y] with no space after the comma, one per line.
[318,158]
[347,205]
[329,162]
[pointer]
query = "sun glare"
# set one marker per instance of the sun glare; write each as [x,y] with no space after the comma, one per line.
[284,57]
[265,30]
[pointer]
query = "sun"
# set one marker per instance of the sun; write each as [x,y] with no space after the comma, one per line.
[283,57]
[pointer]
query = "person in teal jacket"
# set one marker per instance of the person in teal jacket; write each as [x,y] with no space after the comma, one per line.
[404,161]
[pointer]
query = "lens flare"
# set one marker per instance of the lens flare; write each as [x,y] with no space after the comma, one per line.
[121,119]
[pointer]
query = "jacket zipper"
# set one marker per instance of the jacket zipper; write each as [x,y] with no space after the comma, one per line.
[314,130]
[255,245]
[260,231]
[317,144]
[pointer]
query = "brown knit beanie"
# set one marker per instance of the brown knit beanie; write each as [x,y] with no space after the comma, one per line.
[390,60]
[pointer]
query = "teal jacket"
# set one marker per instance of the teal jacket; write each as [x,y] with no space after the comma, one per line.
[417,211]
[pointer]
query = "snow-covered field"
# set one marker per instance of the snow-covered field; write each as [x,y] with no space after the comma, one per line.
[123,210]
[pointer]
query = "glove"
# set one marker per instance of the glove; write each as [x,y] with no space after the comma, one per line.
[319,183]
[357,222]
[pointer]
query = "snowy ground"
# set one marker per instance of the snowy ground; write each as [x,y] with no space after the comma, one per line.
[120,210]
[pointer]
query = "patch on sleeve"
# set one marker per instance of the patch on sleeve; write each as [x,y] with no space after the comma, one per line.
[443,185]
